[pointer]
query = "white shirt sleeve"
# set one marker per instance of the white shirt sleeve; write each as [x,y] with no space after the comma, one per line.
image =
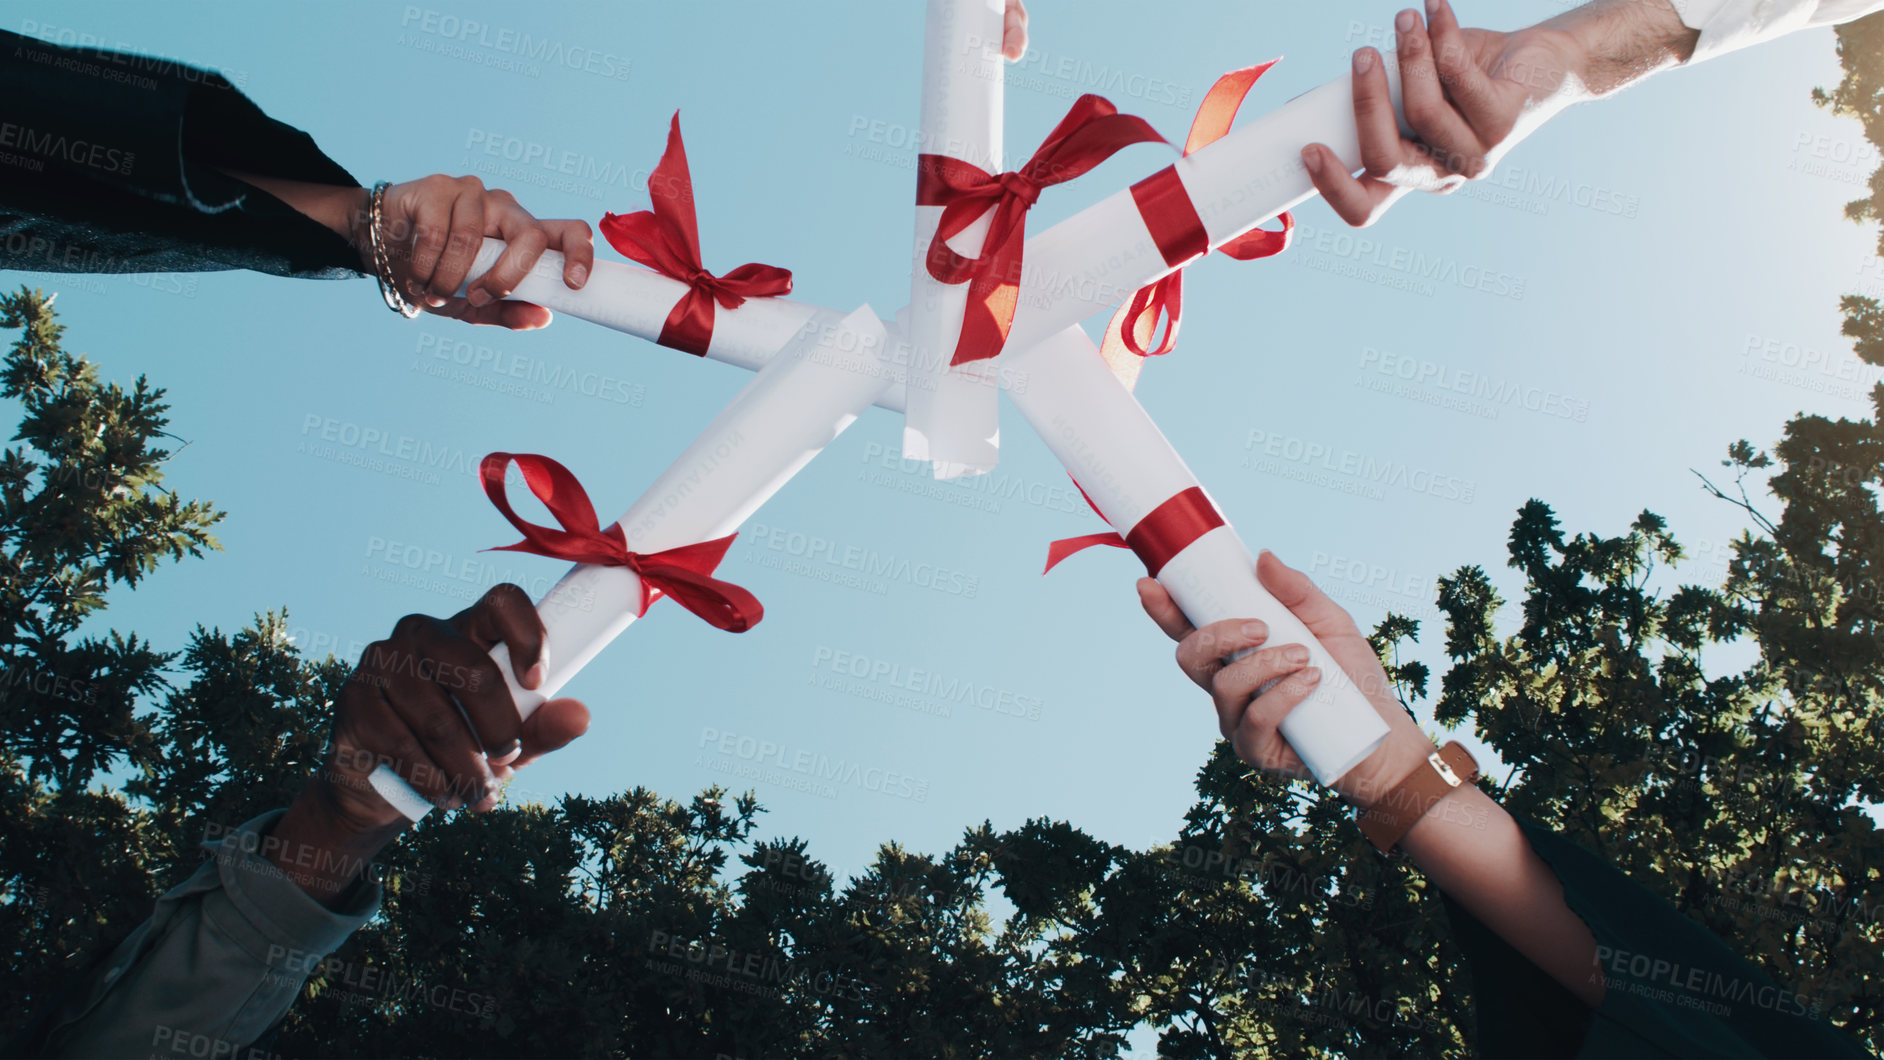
[1728,25]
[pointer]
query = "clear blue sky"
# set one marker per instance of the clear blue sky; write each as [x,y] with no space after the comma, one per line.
[1679,251]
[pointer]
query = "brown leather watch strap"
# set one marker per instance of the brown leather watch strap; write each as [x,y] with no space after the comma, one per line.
[1445,769]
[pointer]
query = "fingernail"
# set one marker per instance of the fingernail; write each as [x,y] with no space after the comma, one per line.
[1255,630]
[1363,60]
[434,301]
[1404,21]
[1295,653]
[578,275]
[1312,675]
[1432,7]
[1312,159]
[533,678]
[478,297]
[512,747]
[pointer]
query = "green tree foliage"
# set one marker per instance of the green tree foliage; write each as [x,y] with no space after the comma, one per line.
[81,509]
[636,924]
[1860,94]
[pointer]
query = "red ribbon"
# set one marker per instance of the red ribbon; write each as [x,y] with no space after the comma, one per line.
[1092,131]
[1179,232]
[667,240]
[1165,531]
[684,573]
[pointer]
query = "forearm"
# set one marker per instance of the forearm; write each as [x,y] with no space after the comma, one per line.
[221,957]
[340,209]
[1624,41]
[1470,848]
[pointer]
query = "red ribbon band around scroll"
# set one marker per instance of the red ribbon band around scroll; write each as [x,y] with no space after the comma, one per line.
[684,573]
[1179,232]
[667,240]
[1165,531]
[1092,131]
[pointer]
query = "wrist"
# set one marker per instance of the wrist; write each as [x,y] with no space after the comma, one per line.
[1614,43]
[336,207]
[322,847]
[1404,750]
[357,218]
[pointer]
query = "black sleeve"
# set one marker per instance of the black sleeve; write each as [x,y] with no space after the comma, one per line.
[109,163]
[1673,988]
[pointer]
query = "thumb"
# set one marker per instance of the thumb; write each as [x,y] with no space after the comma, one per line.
[551,727]
[1323,617]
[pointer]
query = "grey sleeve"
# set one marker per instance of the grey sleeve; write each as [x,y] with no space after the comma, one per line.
[219,961]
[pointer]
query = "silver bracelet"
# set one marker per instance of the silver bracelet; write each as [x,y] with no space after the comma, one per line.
[382,265]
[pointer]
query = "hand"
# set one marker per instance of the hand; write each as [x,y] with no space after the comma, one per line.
[1477,854]
[437,225]
[1253,694]
[1014,31]
[401,706]
[1470,95]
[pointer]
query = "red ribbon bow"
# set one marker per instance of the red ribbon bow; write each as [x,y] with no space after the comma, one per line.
[667,240]
[1179,232]
[1092,131]
[684,573]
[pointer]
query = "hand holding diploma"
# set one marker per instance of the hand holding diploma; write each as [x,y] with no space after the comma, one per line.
[429,703]
[1474,850]
[1472,94]
[432,229]
[1256,691]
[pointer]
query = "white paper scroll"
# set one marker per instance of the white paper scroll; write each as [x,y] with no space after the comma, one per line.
[636,300]
[953,413]
[805,397]
[1088,262]
[1098,257]
[1091,261]
[1119,457]
[1110,445]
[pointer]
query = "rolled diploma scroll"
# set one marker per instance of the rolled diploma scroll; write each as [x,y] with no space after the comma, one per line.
[1091,261]
[636,300]
[1098,257]
[801,400]
[1119,457]
[953,419]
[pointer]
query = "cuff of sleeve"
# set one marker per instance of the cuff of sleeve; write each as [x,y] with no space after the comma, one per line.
[1696,14]
[1730,25]
[268,914]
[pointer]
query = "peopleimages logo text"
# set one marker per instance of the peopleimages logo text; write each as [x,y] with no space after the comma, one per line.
[822,551]
[815,764]
[1283,450]
[469,31]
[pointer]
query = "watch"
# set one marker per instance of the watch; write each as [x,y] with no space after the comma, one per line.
[1445,769]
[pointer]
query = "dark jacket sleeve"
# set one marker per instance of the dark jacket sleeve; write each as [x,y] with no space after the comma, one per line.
[111,162]
[1672,988]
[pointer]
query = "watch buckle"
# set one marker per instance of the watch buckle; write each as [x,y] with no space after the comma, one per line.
[1445,771]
